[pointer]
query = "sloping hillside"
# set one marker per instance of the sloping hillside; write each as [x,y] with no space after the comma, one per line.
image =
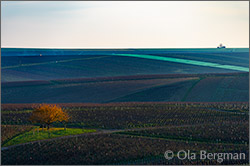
[180,87]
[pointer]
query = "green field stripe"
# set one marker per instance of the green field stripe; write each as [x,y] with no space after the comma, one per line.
[14,136]
[33,135]
[186,61]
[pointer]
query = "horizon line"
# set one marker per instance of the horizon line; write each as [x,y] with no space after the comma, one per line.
[121,47]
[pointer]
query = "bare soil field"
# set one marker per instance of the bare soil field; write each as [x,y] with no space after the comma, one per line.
[134,133]
[144,88]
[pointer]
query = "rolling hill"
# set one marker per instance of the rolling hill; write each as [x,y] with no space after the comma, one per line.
[124,75]
[185,87]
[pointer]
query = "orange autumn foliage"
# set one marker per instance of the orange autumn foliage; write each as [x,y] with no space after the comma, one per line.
[47,114]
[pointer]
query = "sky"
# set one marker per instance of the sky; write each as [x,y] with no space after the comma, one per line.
[124,24]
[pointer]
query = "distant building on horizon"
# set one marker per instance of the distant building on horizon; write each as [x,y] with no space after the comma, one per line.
[221,46]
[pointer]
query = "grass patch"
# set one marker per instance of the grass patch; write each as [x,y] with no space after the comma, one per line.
[34,135]
[10,131]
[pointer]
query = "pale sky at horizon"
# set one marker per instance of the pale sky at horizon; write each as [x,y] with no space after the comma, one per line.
[124,24]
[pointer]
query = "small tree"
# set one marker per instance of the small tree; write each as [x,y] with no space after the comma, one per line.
[47,114]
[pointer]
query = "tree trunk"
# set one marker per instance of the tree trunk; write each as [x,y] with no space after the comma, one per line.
[48,130]
[65,127]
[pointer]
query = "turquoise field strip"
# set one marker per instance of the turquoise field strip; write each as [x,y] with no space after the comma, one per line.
[186,61]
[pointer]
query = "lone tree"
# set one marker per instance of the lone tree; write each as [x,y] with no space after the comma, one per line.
[46,114]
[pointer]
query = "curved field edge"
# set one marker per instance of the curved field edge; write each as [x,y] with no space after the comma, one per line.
[38,134]
[217,132]
[168,91]
[190,89]
[210,88]
[11,131]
